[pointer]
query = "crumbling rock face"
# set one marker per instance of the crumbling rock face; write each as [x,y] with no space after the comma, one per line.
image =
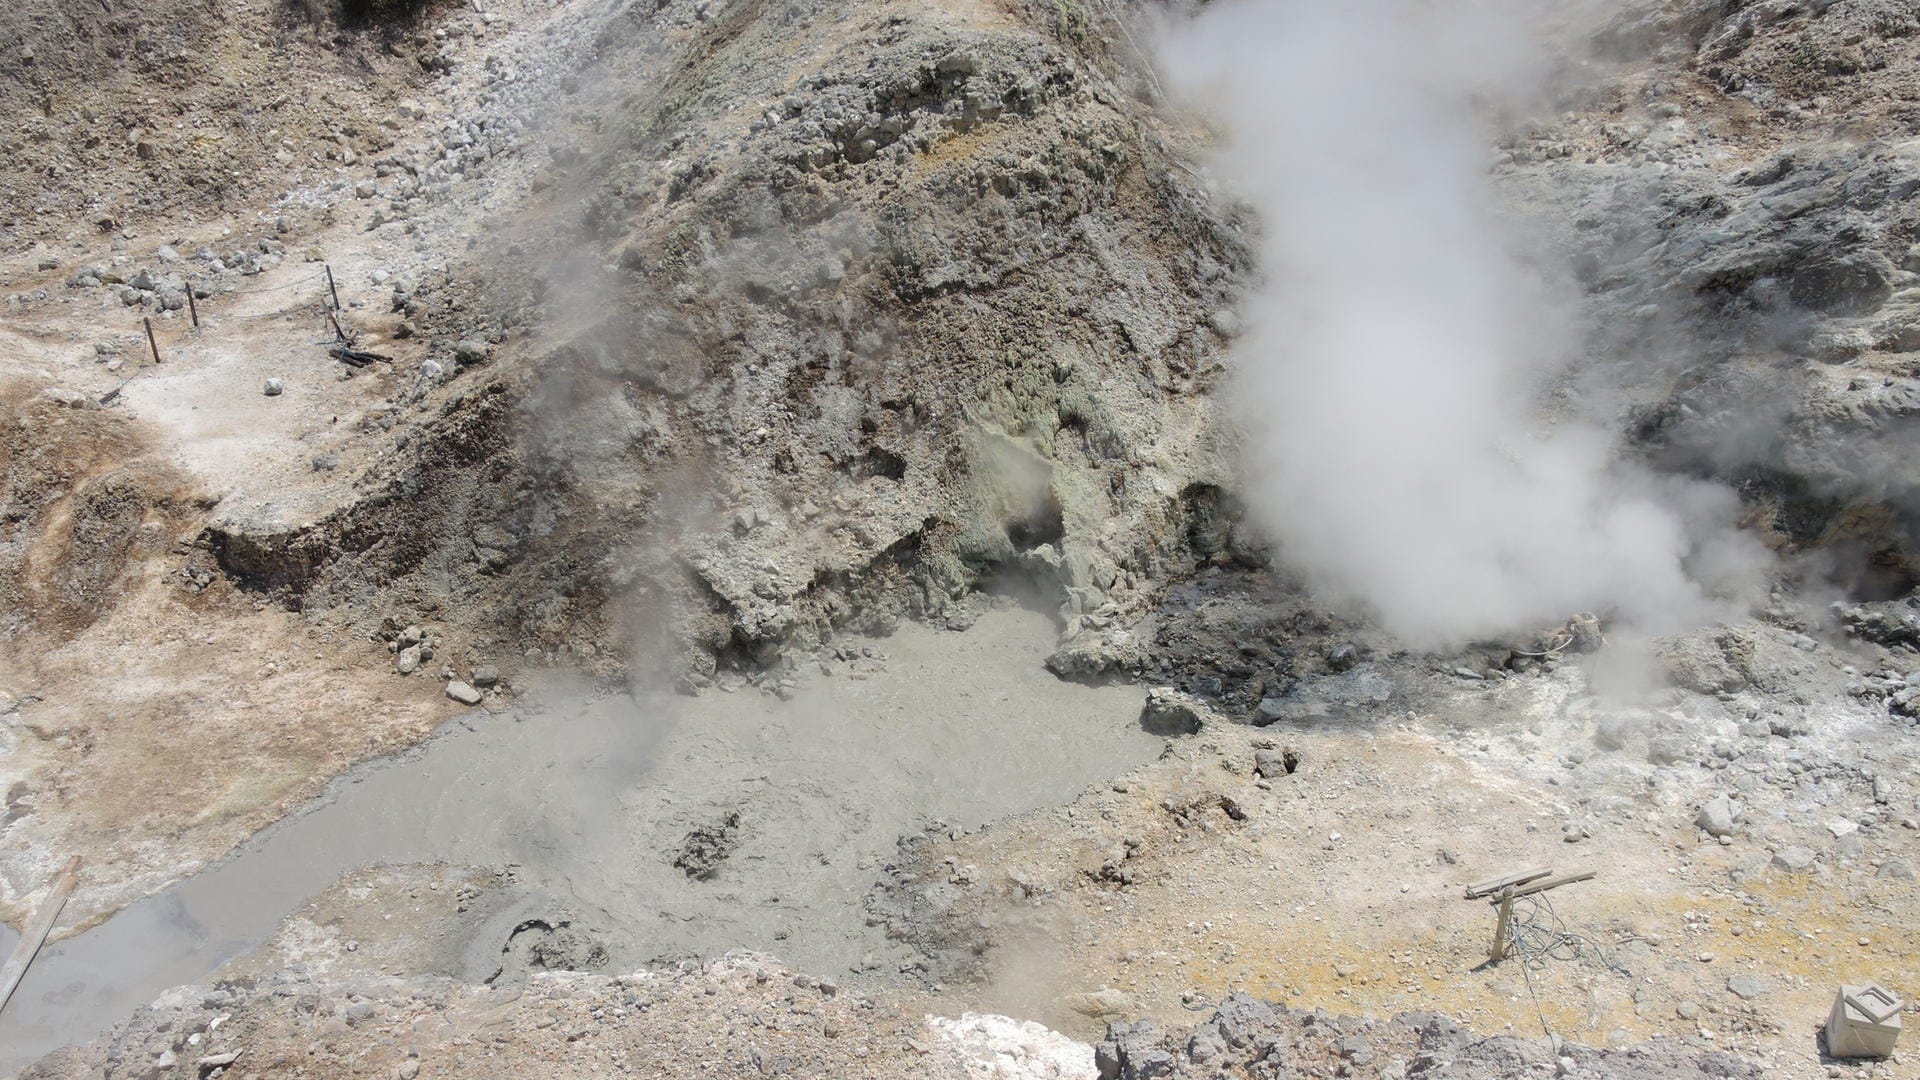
[822,319]
[817,317]
[1749,266]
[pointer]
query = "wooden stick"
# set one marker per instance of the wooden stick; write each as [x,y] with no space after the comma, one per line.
[1500,928]
[330,289]
[192,309]
[337,332]
[1554,883]
[1493,885]
[151,344]
[37,930]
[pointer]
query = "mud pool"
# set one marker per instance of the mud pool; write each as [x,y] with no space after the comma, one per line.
[590,794]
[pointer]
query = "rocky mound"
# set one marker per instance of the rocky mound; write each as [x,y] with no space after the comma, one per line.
[817,316]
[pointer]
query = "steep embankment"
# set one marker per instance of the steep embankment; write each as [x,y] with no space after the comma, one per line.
[818,315]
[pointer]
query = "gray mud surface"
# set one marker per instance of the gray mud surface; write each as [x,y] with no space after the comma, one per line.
[592,797]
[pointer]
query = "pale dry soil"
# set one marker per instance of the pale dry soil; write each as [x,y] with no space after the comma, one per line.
[1334,894]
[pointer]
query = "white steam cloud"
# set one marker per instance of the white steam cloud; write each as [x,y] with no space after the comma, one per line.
[1391,379]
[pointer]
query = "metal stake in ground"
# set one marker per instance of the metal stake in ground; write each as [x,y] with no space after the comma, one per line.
[335,293]
[192,311]
[151,344]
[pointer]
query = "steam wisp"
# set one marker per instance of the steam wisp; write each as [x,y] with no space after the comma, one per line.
[1397,351]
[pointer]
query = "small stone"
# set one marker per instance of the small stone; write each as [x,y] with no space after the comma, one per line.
[1794,860]
[485,675]
[1099,1003]
[463,693]
[408,1069]
[1895,870]
[274,387]
[408,660]
[1687,1010]
[1744,987]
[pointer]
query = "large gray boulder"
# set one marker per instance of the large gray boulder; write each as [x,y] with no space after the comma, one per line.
[1717,816]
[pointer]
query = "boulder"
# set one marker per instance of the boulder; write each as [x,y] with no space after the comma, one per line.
[1132,1052]
[1100,1003]
[1794,860]
[1273,764]
[1716,816]
[1170,712]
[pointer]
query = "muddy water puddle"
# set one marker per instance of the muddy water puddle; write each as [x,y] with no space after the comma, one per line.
[792,806]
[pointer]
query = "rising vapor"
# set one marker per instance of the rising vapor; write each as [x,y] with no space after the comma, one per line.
[1399,343]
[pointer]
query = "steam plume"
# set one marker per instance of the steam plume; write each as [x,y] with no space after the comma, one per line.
[1399,346]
